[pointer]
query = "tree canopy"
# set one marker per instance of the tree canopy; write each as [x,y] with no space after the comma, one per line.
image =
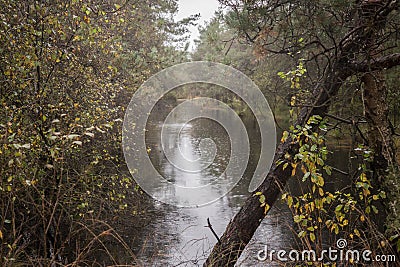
[67,70]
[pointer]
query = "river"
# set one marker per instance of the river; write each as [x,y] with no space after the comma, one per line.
[180,237]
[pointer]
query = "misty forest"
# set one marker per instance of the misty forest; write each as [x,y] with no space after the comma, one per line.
[329,70]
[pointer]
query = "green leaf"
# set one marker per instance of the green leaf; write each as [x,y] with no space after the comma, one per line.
[393,237]
[328,170]
[312,237]
[375,210]
[368,210]
[290,201]
[338,208]
[284,136]
[398,245]
[285,165]
[336,229]
[306,175]
[302,234]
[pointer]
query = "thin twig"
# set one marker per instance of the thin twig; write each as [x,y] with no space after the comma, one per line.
[212,230]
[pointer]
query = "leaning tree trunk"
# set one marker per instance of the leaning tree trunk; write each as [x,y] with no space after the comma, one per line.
[242,227]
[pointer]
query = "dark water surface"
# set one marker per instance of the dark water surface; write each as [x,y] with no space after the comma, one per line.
[180,237]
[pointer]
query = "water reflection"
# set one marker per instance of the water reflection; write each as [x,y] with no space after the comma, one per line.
[180,237]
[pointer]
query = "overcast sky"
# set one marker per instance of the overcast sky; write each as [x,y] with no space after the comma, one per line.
[206,8]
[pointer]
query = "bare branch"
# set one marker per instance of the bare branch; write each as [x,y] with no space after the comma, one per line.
[385,62]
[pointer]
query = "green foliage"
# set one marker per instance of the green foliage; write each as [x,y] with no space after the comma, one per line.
[294,75]
[68,69]
[218,43]
[311,36]
[344,213]
[263,201]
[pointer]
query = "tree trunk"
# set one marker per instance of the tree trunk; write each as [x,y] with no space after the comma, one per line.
[241,229]
[384,165]
[380,131]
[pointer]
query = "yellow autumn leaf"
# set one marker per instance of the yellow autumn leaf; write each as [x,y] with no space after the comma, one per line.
[321,191]
[266,208]
[356,232]
[294,166]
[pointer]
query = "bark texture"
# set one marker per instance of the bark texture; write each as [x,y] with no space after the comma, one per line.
[377,115]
